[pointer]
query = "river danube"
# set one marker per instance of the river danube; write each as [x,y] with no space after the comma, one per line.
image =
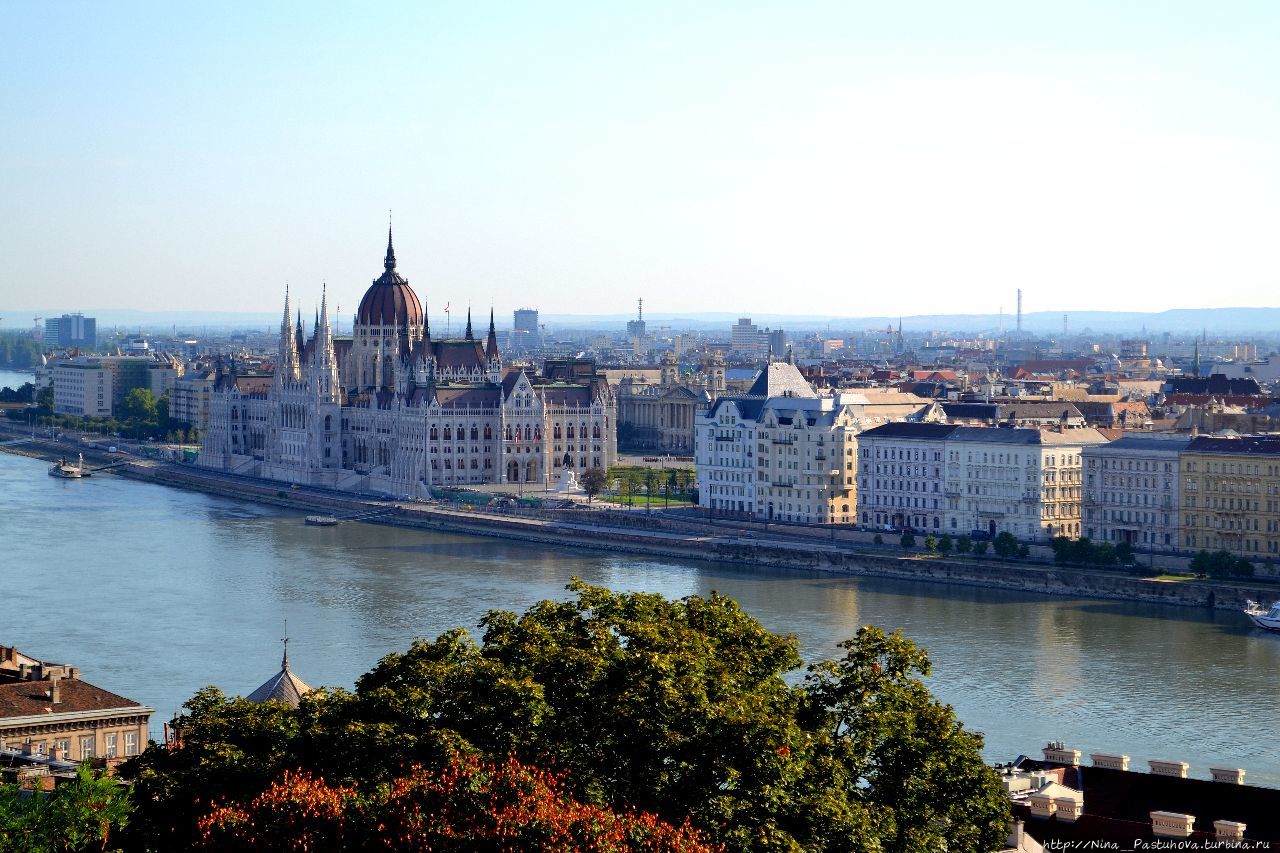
[155,592]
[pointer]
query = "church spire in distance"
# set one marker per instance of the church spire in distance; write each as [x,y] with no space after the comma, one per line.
[470,336]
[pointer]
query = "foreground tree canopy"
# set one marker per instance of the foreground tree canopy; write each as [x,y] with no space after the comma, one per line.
[672,718]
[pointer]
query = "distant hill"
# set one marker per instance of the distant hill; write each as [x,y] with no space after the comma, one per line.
[1215,320]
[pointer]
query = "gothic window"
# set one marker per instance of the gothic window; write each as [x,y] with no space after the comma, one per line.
[448,433]
[528,433]
[537,433]
[568,431]
[509,438]
[475,433]
[488,433]
[595,431]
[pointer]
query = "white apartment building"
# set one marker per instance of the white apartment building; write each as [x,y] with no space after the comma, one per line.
[901,476]
[1131,490]
[1026,482]
[782,452]
[82,386]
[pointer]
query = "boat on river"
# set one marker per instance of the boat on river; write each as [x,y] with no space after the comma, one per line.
[320,520]
[1262,617]
[64,469]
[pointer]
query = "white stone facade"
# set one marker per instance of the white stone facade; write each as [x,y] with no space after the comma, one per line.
[401,413]
[1131,491]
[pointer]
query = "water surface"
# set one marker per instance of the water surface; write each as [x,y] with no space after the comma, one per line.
[155,592]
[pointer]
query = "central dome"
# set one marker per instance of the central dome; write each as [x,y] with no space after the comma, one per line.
[390,301]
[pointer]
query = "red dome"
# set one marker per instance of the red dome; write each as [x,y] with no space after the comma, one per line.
[390,301]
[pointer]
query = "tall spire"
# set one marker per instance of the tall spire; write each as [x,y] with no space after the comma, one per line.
[491,344]
[389,263]
[469,335]
[426,320]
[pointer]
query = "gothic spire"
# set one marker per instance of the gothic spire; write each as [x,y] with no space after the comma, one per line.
[491,344]
[469,334]
[389,262]
[426,320]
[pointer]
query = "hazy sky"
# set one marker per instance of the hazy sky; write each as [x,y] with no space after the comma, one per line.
[844,158]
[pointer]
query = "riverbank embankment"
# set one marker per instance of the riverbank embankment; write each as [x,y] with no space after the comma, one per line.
[636,533]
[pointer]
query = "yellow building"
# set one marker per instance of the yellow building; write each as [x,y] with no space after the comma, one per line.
[1230,495]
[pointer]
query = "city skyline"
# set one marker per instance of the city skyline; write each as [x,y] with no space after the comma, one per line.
[575,158]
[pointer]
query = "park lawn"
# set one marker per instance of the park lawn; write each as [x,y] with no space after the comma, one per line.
[638,500]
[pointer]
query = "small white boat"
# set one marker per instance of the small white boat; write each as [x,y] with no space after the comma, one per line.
[1261,616]
[320,520]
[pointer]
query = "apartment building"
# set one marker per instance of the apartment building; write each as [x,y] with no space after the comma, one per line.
[83,386]
[1230,495]
[782,452]
[46,709]
[1132,490]
[973,480]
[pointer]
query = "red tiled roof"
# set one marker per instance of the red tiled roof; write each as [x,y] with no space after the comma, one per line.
[31,698]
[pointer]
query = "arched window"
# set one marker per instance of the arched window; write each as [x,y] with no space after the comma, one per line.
[528,433]
[509,432]
[488,433]
[435,434]
[475,433]
[595,431]
[448,433]
[537,433]
[568,431]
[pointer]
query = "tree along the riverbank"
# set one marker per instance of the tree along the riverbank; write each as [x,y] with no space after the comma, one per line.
[142,416]
[1221,564]
[680,709]
[19,351]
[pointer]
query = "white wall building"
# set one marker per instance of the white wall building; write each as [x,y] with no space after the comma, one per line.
[398,411]
[82,386]
[1131,490]
[1022,481]
[782,452]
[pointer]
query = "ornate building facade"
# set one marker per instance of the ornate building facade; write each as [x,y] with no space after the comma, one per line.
[397,411]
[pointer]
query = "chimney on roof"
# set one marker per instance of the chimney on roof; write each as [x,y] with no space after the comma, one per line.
[55,690]
[1228,775]
[1171,824]
[1176,769]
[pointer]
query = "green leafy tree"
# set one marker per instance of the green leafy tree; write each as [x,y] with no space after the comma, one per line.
[592,482]
[879,540]
[930,542]
[908,540]
[79,815]
[980,548]
[1221,564]
[44,400]
[1005,545]
[1124,554]
[963,544]
[1024,552]
[683,709]
[945,544]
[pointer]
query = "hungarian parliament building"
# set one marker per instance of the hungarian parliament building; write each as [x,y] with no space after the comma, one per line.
[396,411]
